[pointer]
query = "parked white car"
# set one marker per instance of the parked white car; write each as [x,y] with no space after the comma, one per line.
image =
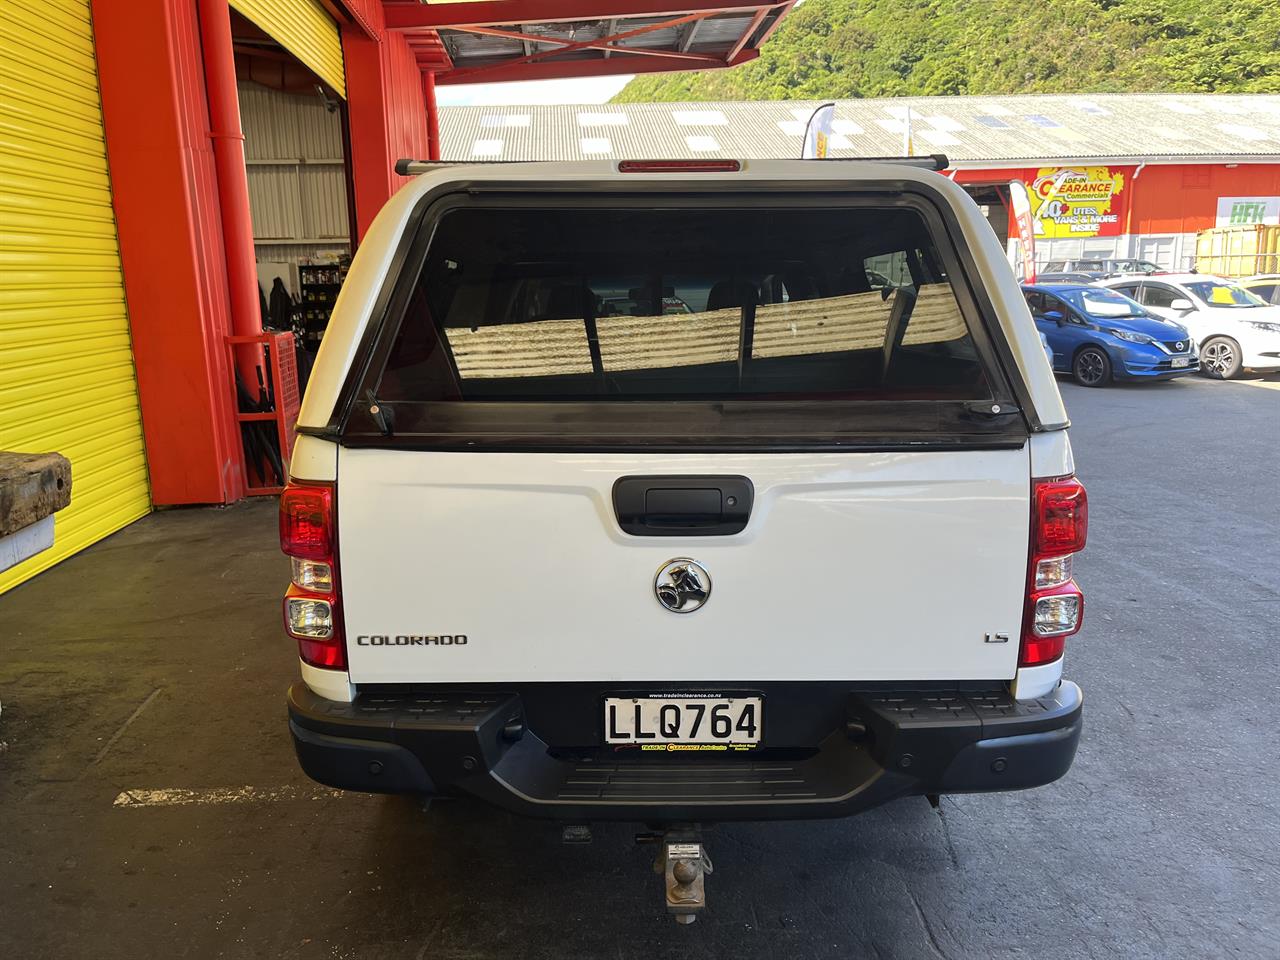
[1235,328]
[1264,285]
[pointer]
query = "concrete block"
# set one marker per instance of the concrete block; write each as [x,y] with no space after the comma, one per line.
[26,542]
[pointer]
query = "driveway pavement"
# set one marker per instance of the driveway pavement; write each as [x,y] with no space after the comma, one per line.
[150,805]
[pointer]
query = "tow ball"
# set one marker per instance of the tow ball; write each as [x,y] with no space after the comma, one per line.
[683,865]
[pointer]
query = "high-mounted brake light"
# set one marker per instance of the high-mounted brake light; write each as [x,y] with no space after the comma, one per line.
[1055,606]
[312,611]
[679,166]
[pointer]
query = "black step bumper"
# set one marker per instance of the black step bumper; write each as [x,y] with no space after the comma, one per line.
[892,744]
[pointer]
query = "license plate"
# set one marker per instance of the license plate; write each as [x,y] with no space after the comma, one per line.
[642,721]
[1180,362]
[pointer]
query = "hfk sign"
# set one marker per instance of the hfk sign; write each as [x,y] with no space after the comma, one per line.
[1246,211]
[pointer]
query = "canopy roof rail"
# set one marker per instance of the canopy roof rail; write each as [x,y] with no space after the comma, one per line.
[932,161]
[407,167]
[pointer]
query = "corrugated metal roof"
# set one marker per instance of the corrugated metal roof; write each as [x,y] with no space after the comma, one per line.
[971,131]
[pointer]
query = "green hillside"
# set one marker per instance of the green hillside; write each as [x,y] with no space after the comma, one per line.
[830,49]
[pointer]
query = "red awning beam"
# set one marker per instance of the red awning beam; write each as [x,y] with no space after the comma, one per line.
[458,75]
[783,9]
[662,58]
[604,43]
[746,34]
[559,69]
[456,16]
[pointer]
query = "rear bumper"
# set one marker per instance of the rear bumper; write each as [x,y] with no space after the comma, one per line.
[892,744]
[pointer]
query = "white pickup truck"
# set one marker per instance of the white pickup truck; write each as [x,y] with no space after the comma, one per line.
[680,492]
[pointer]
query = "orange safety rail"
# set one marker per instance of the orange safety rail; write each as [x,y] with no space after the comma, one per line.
[282,392]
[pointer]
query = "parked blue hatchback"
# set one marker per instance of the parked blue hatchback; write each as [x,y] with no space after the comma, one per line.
[1099,335]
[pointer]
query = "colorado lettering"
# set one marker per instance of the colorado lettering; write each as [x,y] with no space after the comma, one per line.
[412,640]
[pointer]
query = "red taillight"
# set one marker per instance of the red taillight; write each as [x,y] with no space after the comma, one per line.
[1062,516]
[306,521]
[679,166]
[1055,606]
[312,608]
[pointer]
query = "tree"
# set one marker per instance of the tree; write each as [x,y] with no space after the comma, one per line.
[833,49]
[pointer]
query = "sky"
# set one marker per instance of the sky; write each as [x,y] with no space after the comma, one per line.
[583,90]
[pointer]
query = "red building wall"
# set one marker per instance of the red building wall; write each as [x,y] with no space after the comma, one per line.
[406,108]
[166,197]
[1183,198]
[386,113]
[1164,198]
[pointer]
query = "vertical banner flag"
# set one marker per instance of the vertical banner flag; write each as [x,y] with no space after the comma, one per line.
[1020,200]
[908,147]
[817,135]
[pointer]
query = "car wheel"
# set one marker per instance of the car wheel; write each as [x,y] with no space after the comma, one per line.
[1220,358]
[1092,367]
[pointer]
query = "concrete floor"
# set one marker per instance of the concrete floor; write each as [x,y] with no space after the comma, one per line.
[154,661]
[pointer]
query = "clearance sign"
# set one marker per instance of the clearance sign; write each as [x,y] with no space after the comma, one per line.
[1078,201]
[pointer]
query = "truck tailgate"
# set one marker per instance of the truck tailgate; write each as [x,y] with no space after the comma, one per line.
[853,566]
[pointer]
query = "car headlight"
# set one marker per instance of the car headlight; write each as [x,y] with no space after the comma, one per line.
[1264,325]
[1131,337]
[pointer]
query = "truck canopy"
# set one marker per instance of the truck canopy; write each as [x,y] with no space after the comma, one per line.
[538,273]
[815,392]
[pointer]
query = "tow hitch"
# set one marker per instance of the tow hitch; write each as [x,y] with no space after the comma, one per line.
[683,864]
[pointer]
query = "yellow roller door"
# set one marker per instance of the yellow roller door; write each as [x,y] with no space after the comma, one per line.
[305,29]
[66,365]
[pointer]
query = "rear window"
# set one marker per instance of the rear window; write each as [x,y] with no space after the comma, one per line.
[1101,302]
[606,323]
[1219,293]
[674,305]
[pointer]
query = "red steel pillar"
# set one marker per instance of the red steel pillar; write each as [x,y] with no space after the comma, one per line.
[165,198]
[433,115]
[233,182]
[387,118]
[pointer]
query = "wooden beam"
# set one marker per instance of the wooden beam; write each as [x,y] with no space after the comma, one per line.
[32,486]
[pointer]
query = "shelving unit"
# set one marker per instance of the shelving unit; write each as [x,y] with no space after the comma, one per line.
[318,285]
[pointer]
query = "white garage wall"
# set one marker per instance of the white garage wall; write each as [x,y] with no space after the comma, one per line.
[1173,251]
[297,184]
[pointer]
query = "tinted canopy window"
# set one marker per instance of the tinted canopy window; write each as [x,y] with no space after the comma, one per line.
[598,304]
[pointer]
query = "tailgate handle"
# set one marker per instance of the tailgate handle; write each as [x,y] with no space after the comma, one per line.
[668,506]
